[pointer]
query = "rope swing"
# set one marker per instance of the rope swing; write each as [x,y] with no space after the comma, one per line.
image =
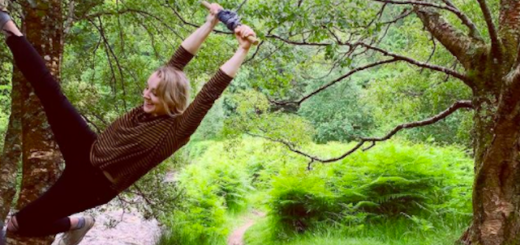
[231,20]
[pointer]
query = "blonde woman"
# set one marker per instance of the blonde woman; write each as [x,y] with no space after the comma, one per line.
[98,167]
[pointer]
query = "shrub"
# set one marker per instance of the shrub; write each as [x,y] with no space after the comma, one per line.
[389,181]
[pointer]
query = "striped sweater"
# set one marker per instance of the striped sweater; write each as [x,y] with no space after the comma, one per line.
[137,142]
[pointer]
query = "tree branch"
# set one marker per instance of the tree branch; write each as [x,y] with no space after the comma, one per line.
[194,25]
[109,48]
[350,73]
[384,52]
[495,44]
[70,18]
[421,64]
[456,106]
[473,30]
[509,27]
[456,42]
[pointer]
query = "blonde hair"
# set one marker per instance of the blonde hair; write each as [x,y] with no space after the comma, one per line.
[173,90]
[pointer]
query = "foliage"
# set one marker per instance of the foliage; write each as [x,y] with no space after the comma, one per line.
[5,92]
[392,181]
[338,114]
[252,116]
[391,232]
[109,56]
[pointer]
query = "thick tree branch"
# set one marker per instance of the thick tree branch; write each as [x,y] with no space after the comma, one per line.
[458,43]
[456,106]
[495,45]
[509,23]
[473,30]
[191,24]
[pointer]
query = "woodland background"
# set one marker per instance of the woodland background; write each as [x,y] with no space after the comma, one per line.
[353,122]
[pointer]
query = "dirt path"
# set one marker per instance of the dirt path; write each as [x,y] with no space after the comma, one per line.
[237,237]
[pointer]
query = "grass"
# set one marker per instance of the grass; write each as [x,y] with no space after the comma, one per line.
[397,232]
[233,221]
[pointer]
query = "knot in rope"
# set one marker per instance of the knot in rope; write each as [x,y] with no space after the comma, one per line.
[229,18]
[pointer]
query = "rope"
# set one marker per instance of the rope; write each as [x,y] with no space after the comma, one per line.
[229,18]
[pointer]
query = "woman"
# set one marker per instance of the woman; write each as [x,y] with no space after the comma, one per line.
[100,167]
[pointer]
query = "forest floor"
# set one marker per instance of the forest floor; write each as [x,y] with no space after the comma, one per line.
[115,226]
[237,236]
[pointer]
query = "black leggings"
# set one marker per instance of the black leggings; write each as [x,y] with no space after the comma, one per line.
[81,186]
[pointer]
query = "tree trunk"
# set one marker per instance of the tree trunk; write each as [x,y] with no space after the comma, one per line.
[43,26]
[493,73]
[496,217]
[12,152]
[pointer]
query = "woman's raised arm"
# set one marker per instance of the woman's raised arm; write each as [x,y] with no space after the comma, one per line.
[211,91]
[191,45]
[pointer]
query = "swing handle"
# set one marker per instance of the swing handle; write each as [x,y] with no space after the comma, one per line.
[252,39]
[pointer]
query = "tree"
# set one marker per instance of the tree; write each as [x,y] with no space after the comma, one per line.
[356,32]
[44,27]
[48,28]
[40,155]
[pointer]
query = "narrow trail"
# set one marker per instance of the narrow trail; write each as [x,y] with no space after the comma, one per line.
[237,237]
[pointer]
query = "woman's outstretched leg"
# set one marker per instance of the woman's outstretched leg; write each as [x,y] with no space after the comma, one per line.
[71,132]
[75,191]
[81,186]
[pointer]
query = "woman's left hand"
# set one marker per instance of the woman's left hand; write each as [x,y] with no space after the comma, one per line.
[213,11]
[241,33]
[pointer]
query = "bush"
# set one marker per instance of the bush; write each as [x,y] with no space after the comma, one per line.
[299,200]
[390,181]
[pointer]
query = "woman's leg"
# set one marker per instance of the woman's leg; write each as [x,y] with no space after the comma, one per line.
[71,132]
[76,190]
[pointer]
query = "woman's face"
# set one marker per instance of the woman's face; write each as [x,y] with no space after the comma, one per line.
[152,103]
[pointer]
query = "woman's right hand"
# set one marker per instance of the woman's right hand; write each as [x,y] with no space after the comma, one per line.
[213,12]
[241,33]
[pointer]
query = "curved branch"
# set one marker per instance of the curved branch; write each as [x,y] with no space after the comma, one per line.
[449,8]
[191,24]
[421,64]
[350,73]
[456,106]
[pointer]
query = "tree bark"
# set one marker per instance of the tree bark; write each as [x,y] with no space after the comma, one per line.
[12,152]
[496,130]
[43,27]
[454,40]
